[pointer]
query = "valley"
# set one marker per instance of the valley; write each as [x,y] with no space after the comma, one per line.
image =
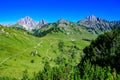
[59,40]
[51,50]
[21,51]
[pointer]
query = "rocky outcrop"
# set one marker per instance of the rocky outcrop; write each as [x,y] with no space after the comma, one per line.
[63,22]
[29,24]
[41,23]
[95,24]
[91,23]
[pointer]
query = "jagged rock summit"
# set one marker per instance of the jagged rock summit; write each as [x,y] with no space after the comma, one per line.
[91,18]
[29,24]
[41,23]
[92,22]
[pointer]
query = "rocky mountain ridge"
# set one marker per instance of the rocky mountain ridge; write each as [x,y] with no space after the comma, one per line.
[92,23]
[95,24]
[29,24]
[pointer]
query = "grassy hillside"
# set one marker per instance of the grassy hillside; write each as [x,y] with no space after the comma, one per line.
[20,51]
[15,49]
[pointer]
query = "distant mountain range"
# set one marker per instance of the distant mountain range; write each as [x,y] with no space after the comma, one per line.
[95,24]
[91,23]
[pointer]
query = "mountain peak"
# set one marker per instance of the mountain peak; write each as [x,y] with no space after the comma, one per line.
[27,17]
[27,22]
[92,22]
[63,22]
[42,22]
[91,18]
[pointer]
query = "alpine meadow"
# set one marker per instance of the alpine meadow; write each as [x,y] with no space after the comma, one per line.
[36,47]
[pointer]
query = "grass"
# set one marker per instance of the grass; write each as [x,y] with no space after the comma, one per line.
[17,47]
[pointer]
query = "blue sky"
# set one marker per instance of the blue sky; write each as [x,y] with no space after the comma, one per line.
[52,10]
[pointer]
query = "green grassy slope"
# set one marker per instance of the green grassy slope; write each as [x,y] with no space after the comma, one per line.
[15,48]
[20,51]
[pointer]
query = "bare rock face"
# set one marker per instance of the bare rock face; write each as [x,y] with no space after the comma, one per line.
[91,18]
[63,22]
[29,24]
[2,31]
[95,23]
[41,23]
